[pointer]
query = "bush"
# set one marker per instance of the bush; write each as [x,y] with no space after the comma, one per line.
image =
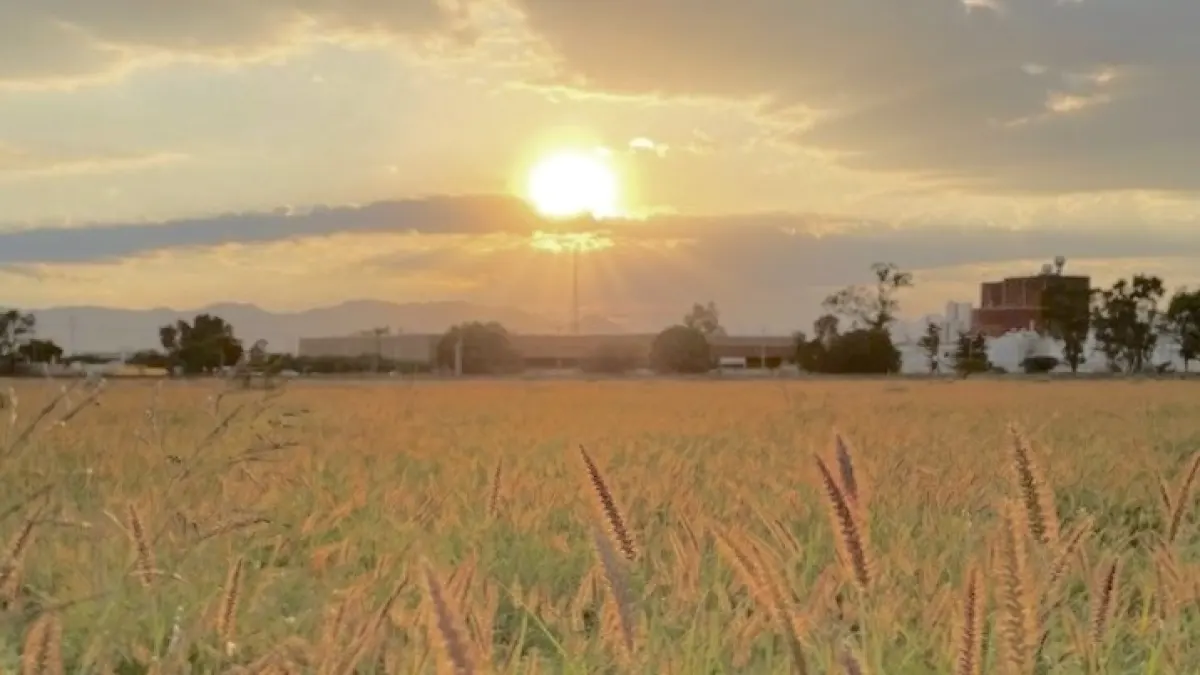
[859,352]
[486,349]
[681,350]
[1036,365]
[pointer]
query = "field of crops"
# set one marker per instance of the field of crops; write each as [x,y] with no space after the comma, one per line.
[707,527]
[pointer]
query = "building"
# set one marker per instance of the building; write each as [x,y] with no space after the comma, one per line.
[571,351]
[1014,304]
[762,351]
[958,320]
[403,348]
[552,351]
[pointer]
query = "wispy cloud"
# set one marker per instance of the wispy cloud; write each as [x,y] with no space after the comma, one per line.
[17,162]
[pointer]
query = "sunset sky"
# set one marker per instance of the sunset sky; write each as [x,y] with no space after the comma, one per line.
[293,153]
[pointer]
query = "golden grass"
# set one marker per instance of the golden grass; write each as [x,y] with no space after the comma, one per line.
[624,527]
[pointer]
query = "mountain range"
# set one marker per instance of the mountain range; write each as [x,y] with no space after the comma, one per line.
[110,330]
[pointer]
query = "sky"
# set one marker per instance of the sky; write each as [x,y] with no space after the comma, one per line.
[298,153]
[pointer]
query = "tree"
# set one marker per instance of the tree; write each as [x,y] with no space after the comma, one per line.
[863,351]
[875,307]
[1126,319]
[15,330]
[812,355]
[970,354]
[205,345]
[931,344]
[704,318]
[826,330]
[681,350]
[149,358]
[485,349]
[40,351]
[1066,317]
[1181,324]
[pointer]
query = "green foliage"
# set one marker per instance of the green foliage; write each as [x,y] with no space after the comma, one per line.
[1035,365]
[15,330]
[704,318]
[485,349]
[1126,321]
[864,351]
[872,307]
[1182,324]
[40,351]
[970,354]
[149,358]
[203,346]
[1067,318]
[867,349]
[681,350]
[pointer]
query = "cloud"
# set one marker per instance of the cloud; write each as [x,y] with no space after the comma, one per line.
[68,41]
[113,241]
[1020,95]
[830,249]
[21,162]
[765,270]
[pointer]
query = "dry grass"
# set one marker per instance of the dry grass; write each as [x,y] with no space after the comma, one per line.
[639,527]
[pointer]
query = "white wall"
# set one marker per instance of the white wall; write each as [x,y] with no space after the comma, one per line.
[1009,350]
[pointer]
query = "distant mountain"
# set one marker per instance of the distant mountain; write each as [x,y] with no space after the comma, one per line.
[103,329]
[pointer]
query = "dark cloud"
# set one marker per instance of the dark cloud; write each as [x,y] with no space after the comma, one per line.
[1077,95]
[64,40]
[769,247]
[440,215]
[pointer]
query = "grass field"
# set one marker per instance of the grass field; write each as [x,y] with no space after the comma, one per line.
[405,528]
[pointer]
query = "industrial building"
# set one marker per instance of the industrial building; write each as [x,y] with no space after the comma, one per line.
[554,351]
[404,348]
[1014,304]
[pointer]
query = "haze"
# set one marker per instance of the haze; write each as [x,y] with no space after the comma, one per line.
[296,153]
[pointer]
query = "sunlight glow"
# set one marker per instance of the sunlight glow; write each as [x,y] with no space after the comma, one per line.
[562,242]
[574,184]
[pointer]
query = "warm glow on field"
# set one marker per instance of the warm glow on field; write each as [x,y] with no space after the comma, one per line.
[316,522]
[574,184]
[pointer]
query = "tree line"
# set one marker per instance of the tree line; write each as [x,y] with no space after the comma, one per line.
[1125,322]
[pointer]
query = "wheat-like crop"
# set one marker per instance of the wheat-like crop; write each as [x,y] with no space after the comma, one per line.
[714,541]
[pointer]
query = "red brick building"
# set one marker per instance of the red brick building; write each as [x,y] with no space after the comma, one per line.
[1015,303]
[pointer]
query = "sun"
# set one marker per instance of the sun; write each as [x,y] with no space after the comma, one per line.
[569,184]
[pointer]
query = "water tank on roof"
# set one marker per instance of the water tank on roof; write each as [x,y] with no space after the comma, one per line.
[1047,269]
